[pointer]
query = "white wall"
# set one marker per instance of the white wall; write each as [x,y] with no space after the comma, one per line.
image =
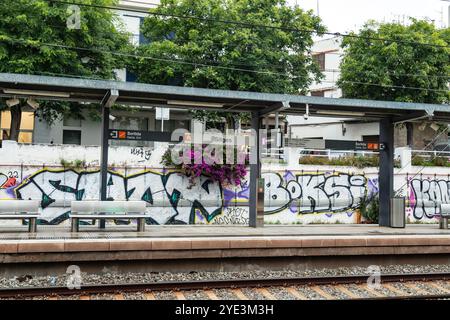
[51,155]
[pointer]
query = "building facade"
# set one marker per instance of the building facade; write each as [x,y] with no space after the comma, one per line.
[328,55]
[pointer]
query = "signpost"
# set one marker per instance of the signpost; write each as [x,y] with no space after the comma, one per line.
[162,114]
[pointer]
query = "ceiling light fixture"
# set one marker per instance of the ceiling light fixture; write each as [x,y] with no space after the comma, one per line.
[434,126]
[33,103]
[37,93]
[195,103]
[341,113]
[12,102]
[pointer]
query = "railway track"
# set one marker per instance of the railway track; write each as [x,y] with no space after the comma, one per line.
[392,286]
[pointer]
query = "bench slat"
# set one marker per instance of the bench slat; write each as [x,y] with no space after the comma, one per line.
[8,206]
[107,216]
[108,206]
[18,216]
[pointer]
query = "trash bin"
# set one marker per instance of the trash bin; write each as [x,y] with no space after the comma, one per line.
[398,212]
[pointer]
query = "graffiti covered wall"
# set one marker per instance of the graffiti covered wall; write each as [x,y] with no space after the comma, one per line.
[290,196]
[300,195]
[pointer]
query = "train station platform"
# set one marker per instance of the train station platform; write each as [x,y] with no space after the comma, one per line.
[216,247]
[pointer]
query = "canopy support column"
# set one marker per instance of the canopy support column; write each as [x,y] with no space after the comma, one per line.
[255,171]
[106,104]
[386,173]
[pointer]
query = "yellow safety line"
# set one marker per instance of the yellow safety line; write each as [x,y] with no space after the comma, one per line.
[238,293]
[296,294]
[416,288]
[370,290]
[211,295]
[179,295]
[437,287]
[53,298]
[322,293]
[266,294]
[394,289]
[119,296]
[347,292]
[149,296]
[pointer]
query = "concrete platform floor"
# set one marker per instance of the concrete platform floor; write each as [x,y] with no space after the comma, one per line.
[220,247]
[201,231]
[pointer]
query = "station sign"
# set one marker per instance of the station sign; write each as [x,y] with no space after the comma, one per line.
[368,146]
[138,135]
[353,145]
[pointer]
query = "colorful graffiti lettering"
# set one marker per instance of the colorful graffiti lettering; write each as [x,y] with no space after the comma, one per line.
[9,180]
[175,202]
[313,193]
[426,195]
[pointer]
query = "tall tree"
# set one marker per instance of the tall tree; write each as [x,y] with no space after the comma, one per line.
[204,51]
[40,37]
[400,70]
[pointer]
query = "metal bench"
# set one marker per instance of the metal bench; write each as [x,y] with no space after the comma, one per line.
[108,210]
[21,209]
[445,214]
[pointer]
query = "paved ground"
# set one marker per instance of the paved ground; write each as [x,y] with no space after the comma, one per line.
[56,232]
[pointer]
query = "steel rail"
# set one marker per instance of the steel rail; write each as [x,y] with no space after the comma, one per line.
[217,284]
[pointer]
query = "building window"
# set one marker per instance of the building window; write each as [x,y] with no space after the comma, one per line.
[130,77]
[26,126]
[371,139]
[320,93]
[142,38]
[320,60]
[71,122]
[72,137]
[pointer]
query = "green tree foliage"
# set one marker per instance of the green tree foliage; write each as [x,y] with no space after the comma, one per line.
[35,39]
[280,61]
[385,70]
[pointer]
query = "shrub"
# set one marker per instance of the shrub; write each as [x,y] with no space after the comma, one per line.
[76,164]
[433,162]
[232,174]
[370,209]
[347,161]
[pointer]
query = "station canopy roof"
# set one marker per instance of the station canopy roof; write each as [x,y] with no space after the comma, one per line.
[150,95]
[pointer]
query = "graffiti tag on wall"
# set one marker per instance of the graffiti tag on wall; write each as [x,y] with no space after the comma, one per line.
[426,195]
[313,193]
[177,201]
[8,180]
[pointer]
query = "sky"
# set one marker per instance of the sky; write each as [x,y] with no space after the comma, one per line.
[350,15]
